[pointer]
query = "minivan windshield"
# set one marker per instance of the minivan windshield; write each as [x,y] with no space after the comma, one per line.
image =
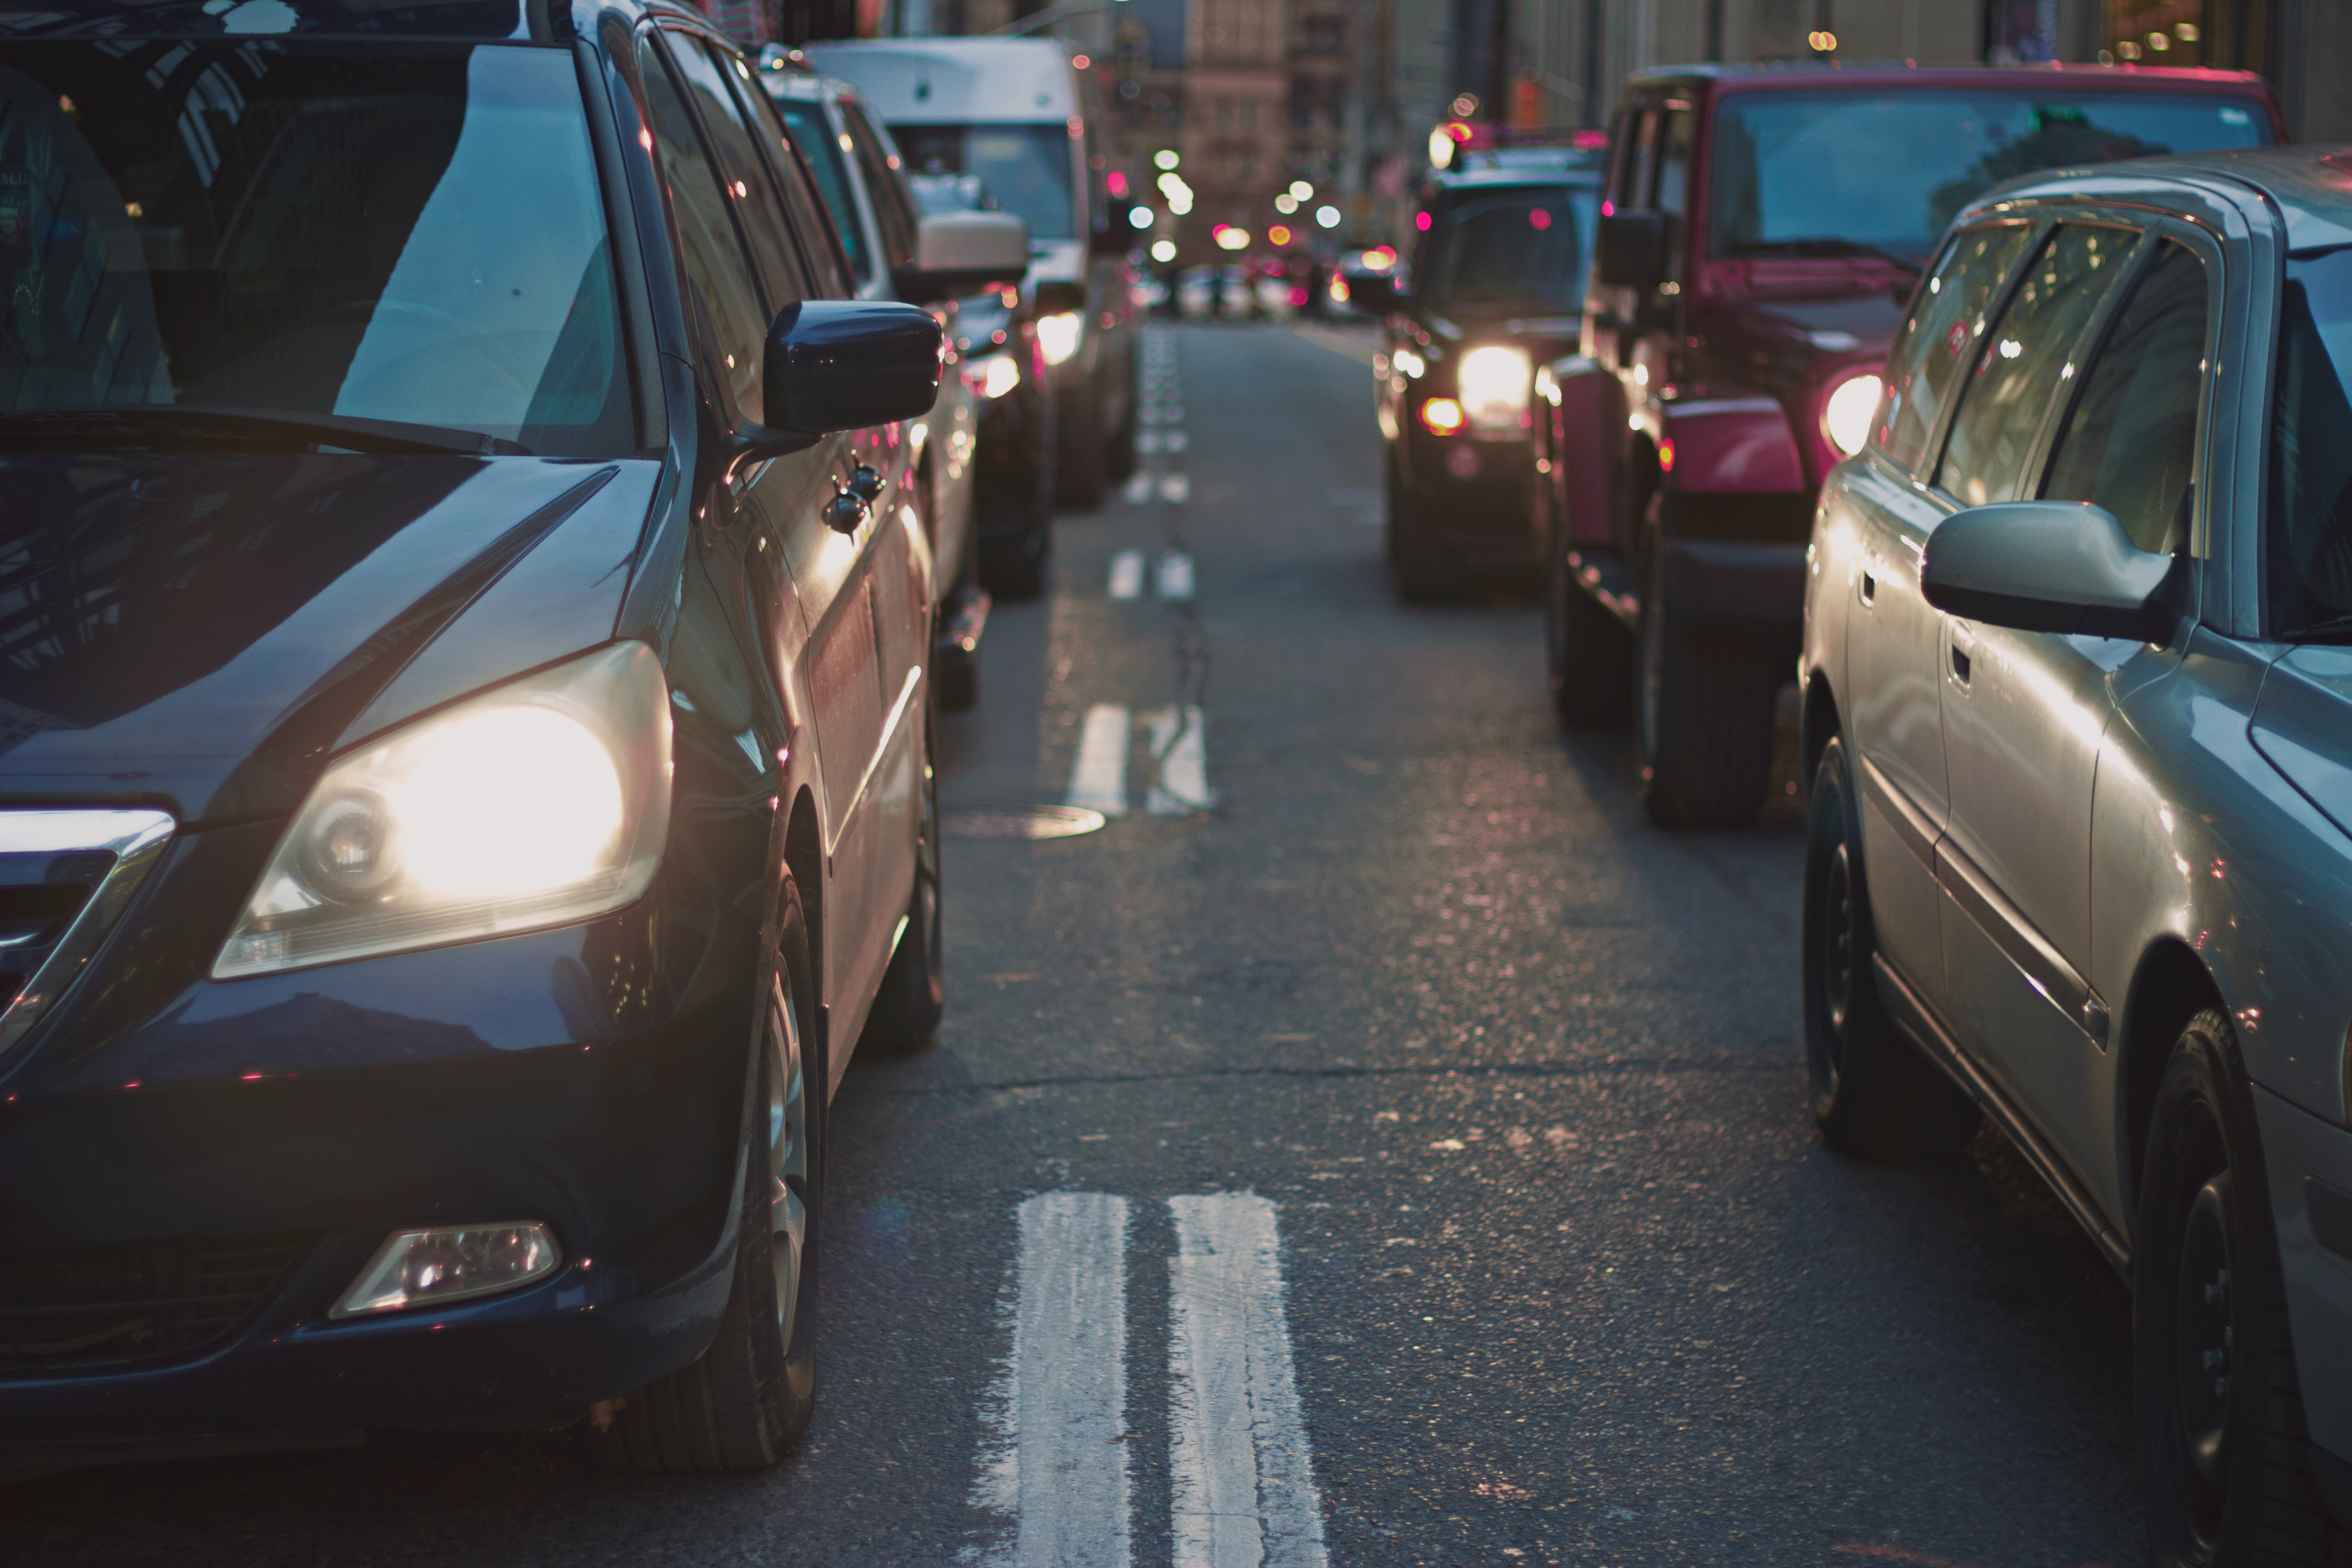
[1025,167]
[1518,250]
[213,233]
[1796,172]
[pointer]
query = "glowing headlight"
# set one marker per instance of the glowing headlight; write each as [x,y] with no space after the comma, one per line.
[1845,417]
[1057,335]
[998,375]
[539,803]
[1495,383]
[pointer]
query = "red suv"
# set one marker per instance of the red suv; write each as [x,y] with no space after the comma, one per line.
[1760,235]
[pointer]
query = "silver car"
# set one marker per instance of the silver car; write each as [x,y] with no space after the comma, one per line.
[2077,678]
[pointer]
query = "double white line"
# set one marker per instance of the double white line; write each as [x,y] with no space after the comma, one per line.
[1056,1475]
[1179,739]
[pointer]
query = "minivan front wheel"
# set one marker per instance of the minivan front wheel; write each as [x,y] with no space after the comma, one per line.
[741,1402]
[2223,1467]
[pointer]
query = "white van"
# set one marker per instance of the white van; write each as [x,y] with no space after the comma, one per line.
[1016,113]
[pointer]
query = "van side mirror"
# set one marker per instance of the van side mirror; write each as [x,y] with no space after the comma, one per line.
[2048,566]
[957,254]
[1630,251]
[839,364]
[1375,293]
[1061,297]
[1117,237]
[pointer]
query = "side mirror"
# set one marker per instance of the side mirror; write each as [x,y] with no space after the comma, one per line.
[2048,566]
[957,254]
[1630,251]
[842,365]
[1061,297]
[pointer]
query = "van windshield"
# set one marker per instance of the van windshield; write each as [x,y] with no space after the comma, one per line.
[413,235]
[1796,172]
[1025,167]
[1513,251]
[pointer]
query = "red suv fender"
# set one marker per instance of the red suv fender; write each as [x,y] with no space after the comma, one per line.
[1731,442]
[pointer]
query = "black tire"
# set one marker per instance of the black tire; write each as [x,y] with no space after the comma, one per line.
[1118,457]
[913,997]
[2223,1467]
[1014,566]
[1702,715]
[1426,571]
[1872,1093]
[1081,477]
[745,1400]
[1587,653]
[955,677]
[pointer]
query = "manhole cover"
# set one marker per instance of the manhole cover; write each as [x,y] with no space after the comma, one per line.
[1001,822]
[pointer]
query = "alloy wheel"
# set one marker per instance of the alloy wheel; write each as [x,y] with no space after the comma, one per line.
[788,1162]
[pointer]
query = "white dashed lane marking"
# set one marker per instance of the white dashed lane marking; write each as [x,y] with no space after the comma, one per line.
[1053,1475]
[1179,754]
[1099,778]
[1137,491]
[1175,488]
[1240,1470]
[1126,574]
[1175,584]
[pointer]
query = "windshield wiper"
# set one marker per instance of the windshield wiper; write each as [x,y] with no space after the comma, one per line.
[183,425]
[2335,628]
[1824,244]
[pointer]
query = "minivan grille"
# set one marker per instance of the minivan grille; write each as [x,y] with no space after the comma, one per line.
[96,1306]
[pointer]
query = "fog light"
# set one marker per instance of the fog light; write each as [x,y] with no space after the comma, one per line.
[450,1263]
[1442,414]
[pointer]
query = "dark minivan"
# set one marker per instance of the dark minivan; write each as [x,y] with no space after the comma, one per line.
[465,750]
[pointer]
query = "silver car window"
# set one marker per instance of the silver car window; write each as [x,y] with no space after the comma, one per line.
[2309,559]
[1937,338]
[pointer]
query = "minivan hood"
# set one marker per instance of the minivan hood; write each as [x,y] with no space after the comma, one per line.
[197,630]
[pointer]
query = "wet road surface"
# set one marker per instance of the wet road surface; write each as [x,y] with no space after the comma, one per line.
[1376,1145]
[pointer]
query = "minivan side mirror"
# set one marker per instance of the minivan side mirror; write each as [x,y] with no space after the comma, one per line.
[957,254]
[2048,566]
[1630,251]
[840,364]
[1374,293]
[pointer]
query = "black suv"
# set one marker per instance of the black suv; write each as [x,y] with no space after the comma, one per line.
[1496,288]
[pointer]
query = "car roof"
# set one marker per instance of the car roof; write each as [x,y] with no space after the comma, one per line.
[1508,176]
[2310,187]
[956,81]
[1812,76]
[519,21]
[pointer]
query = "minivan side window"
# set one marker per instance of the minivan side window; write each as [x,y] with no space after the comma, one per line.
[893,214]
[756,209]
[821,250]
[2018,367]
[721,298]
[1939,337]
[2130,443]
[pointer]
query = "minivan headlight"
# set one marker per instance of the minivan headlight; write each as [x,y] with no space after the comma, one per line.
[1057,335]
[539,803]
[1494,382]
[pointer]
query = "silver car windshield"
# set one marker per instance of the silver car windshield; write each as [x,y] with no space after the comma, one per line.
[280,227]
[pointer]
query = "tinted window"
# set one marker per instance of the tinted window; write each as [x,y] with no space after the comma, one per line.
[757,213]
[1946,318]
[1795,169]
[2310,541]
[721,298]
[893,212]
[820,238]
[417,234]
[1673,197]
[2019,367]
[1025,167]
[2130,444]
[1515,250]
[820,145]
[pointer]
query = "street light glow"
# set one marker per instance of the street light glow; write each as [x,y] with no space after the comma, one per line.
[1301,191]
[1166,158]
[1163,250]
[1328,215]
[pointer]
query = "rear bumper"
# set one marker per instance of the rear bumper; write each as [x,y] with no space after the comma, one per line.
[1478,497]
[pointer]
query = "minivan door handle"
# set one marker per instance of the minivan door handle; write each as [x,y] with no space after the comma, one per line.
[1869,586]
[1959,665]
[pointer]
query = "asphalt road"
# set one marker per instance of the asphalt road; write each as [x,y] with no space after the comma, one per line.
[1399,977]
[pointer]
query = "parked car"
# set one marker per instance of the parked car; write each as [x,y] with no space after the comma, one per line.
[1763,227]
[2078,733]
[1196,293]
[468,783]
[1495,289]
[1015,112]
[862,178]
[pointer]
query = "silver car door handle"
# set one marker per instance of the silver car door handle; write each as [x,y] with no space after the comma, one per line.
[1869,586]
[1959,665]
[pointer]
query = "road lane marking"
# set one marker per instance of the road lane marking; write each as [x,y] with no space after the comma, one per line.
[1137,491]
[1240,1472]
[1099,779]
[1175,441]
[1056,1475]
[1180,746]
[1175,487]
[1126,574]
[1357,345]
[1175,583]
[1150,441]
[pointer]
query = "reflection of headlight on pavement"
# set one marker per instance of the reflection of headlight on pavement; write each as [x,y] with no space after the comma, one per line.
[1845,417]
[1494,382]
[1057,335]
[994,376]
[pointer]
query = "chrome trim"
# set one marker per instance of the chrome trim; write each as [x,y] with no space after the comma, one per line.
[2044,968]
[136,839]
[1908,822]
[1923,1029]
[891,727]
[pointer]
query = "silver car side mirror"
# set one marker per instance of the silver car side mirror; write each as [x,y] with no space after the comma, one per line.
[957,254]
[2048,566]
